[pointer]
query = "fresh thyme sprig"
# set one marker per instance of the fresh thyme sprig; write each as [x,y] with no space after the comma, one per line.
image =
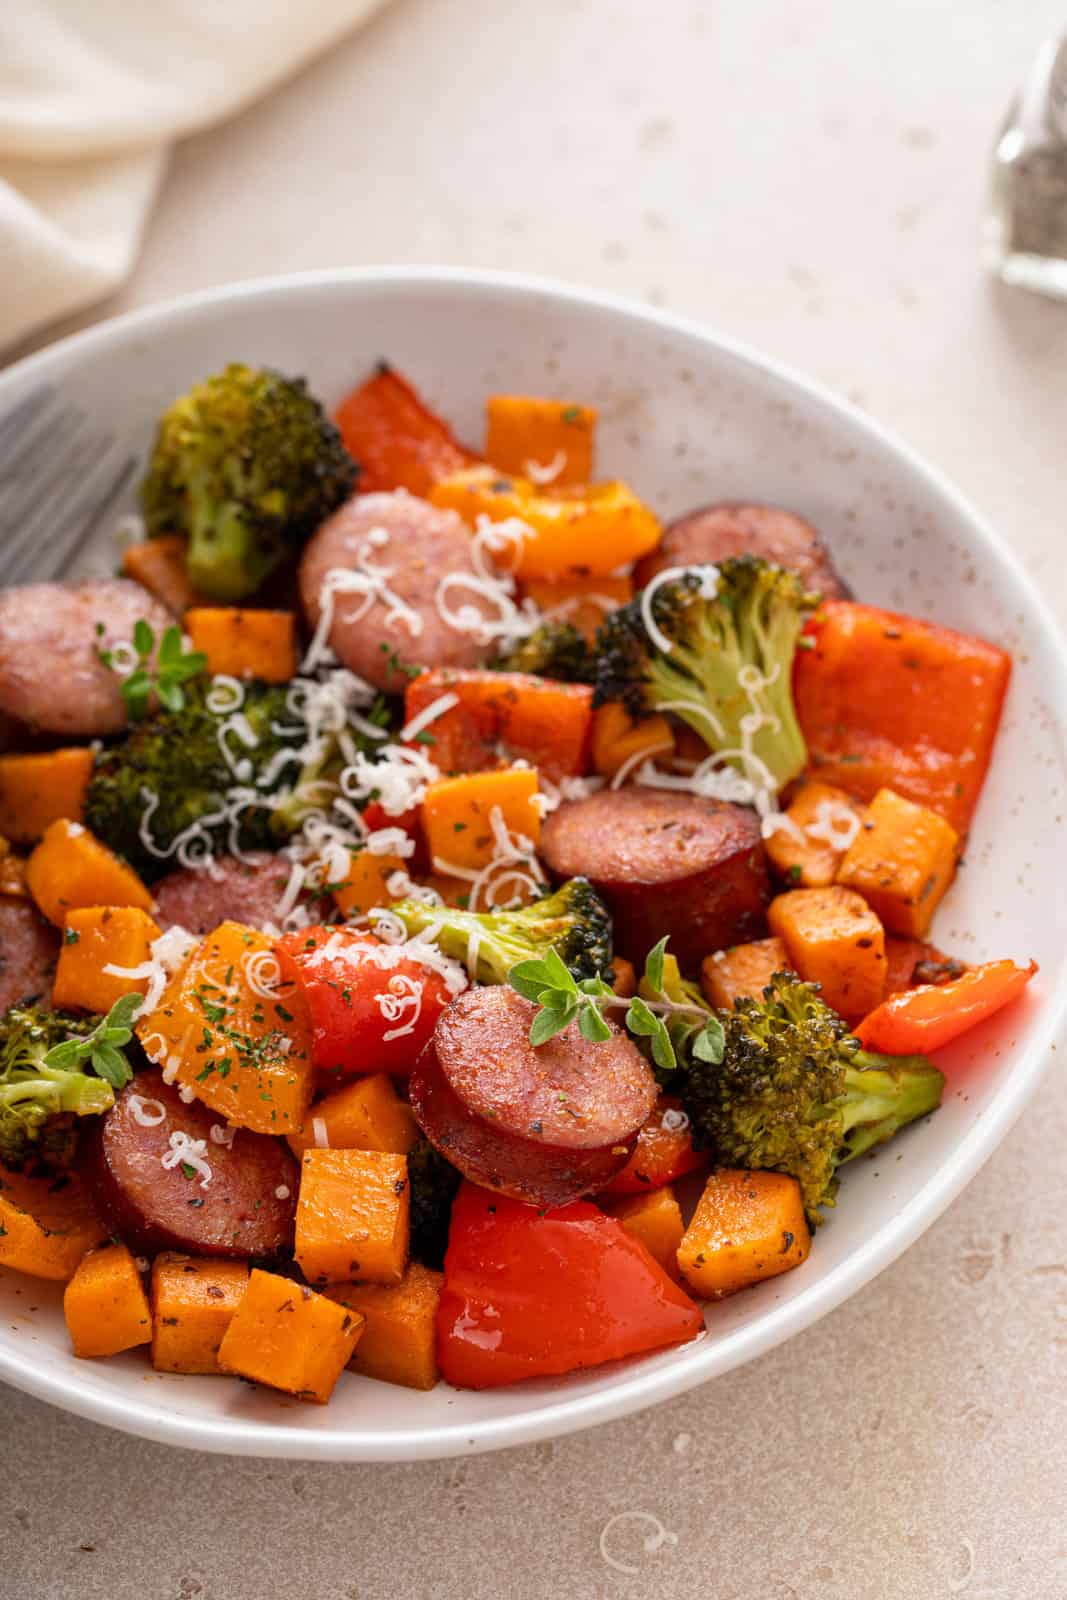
[669,1026]
[101,1050]
[173,667]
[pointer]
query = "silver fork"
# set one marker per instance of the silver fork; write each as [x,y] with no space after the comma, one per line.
[59,476]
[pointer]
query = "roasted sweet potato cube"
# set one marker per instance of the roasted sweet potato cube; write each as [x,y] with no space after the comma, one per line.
[285,1335]
[193,1302]
[41,788]
[901,861]
[743,969]
[46,1225]
[352,1217]
[747,1226]
[550,438]
[97,937]
[821,821]
[105,1304]
[656,1220]
[366,1114]
[834,939]
[71,868]
[245,644]
[398,1343]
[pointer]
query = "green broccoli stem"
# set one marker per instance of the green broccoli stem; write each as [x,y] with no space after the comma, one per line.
[56,1091]
[454,931]
[882,1095]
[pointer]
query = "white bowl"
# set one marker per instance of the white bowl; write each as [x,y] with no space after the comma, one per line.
[688,418]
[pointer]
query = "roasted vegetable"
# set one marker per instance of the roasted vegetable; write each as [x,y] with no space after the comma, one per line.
[794,1092]
[245,466]
[719,655]
[433,1183]
[39,1102]
[573,921]
[191,778]
[553,650]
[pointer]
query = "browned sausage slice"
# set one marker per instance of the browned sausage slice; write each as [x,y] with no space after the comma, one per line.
[415,546]
[29,948]
[247,891]
[666,863]
[246,1208]
[544,1125]
[51,675]
[733,529]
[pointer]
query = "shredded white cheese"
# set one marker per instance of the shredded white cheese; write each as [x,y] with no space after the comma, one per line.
[148,1113]
[191,1153]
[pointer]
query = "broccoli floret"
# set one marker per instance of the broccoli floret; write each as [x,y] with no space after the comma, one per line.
[432,1185]
[39,1104]
[728,671]
[573,920]
[245,466]
[170,777]
[554,650]
[795,1093]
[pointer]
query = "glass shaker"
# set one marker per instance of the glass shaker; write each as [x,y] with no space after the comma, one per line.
[1026,226]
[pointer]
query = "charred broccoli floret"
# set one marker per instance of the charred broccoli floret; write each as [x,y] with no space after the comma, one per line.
[199,779]
[554,650]
[795,1093]
[245,466]
[40,1102]
[719,654]
[573,920]
[432,1183]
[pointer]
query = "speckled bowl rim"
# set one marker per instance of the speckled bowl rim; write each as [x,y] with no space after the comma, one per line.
[627,1388]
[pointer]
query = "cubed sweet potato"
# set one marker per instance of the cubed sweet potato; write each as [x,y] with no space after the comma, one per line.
[41,788]
[105,1305]
[364,883]
[367,1114]
[747,1226]
[457,816]
[97,937]
[70,868]
[352,1217]
[46,1225]
[834,939]
[902,861]
[620,741]
[481,719]
[743,969]
[285,1335]
[821,823]
[193,1302]
[398,1343]
[243,643]
[656,1220]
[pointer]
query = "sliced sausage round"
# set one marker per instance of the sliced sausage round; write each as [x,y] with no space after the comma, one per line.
[29,948]
[397,549]
[666,863]
[543,1124]
[246,1206]
[733,529]
[232,890]
[51,675]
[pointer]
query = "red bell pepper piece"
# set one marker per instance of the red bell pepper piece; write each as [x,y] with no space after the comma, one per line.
[923,1019]
[531,1293]
[366,1016]
[663,1152]
[398,442]
[888,702]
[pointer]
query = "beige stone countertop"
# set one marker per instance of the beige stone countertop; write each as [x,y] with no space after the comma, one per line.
[808,176]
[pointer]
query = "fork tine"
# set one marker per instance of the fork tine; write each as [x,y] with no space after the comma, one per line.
[22,415]
[86,515]
[41,501]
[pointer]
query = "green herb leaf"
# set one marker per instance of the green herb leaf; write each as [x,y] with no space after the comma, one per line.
[530,979]
[143,637]
[710,1043]
[654,965]
[640,1020]
[592,1025]
[547,1024]
[663,1050]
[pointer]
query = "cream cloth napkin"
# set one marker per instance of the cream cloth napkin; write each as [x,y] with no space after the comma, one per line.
[92,95]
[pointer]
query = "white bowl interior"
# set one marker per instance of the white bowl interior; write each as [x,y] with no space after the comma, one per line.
[687,420]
